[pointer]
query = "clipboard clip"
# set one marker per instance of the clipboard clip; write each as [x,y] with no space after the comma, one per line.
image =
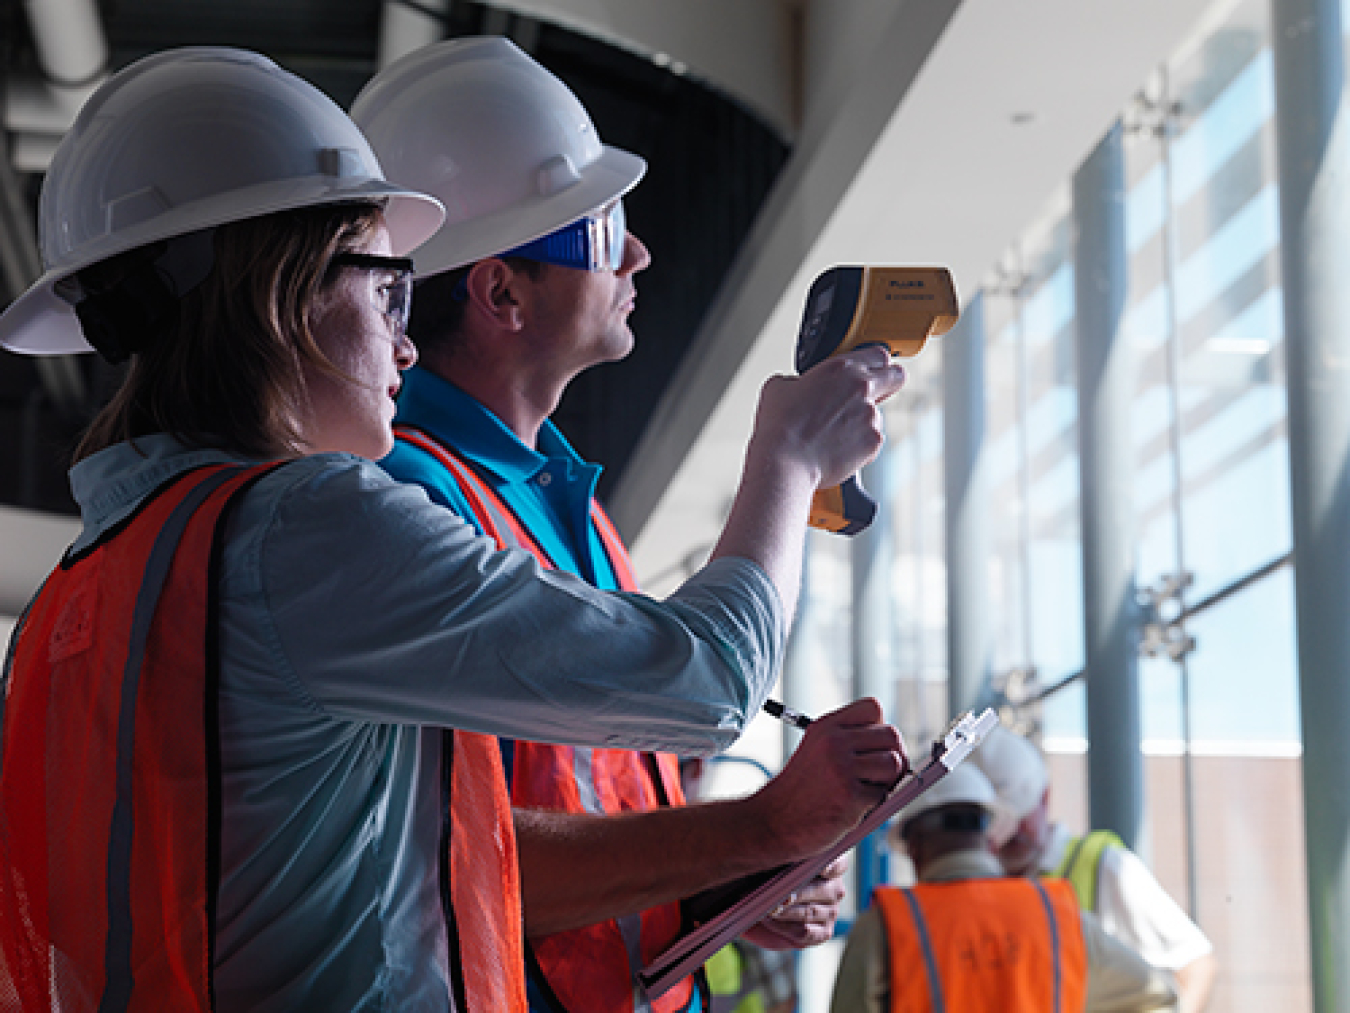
[963,735]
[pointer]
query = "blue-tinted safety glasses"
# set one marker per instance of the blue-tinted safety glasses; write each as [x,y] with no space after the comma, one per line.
[391,284]
[592,243]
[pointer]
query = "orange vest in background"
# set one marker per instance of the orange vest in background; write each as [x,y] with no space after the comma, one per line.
[592,969]
[1007,945]
[109,767]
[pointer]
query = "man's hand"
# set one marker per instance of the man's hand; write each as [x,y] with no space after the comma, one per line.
[828,419]
[846,763]
[811,431]
[807,917]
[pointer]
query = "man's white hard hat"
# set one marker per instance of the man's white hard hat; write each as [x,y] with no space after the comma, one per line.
[501,142]
[185,140]
[1018,773]
[965,784]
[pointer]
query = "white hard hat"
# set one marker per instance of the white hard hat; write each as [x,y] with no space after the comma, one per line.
[1017,771]
[965,784]
[504,145]
[184,140]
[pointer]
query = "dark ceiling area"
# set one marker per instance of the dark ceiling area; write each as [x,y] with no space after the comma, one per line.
[711,164]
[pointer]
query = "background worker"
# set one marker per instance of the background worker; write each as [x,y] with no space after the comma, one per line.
[1108,878]
[968,938]
[529,283]
[743,977]
[247,757]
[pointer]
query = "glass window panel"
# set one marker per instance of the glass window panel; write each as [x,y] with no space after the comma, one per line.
[913,505]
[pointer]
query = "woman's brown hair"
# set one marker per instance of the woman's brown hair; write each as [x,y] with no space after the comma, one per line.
[227,370]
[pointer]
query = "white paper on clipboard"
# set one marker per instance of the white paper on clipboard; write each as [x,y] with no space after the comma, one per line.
[690,951]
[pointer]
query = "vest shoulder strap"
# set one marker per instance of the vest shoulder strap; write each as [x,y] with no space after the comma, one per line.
[926,945]
[495,518]
[1082,863]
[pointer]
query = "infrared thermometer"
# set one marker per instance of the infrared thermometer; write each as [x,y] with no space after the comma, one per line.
[848,307]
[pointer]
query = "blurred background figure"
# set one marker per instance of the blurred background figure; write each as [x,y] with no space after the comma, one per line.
[743,977]
[968,938]
[1108,878]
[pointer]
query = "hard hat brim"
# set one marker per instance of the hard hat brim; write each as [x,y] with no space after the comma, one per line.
[610,176]
[39,322]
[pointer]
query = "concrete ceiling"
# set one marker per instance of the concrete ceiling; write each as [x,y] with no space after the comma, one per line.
[926,131]
[954,134]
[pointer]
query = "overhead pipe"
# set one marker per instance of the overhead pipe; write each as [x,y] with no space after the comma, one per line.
[408,26]
[72,52]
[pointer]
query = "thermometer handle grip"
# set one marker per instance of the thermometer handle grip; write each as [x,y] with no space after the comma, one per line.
[845,509]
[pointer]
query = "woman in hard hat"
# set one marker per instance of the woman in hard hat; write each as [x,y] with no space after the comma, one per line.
[227,775]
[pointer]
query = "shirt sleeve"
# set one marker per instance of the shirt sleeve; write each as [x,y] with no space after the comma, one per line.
[1134,907]
[373,604]
[863,983]
[1119,979]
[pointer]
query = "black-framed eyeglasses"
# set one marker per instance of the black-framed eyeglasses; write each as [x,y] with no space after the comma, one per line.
[393,298]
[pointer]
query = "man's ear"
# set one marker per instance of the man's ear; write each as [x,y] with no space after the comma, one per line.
[494,292]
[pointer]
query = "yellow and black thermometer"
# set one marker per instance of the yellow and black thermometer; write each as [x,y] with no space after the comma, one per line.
[848,307]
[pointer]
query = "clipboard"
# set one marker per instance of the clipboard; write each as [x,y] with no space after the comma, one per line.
[691,950]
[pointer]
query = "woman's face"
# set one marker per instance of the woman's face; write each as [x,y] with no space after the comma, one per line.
[353,330]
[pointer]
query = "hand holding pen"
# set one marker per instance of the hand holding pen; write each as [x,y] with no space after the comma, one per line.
[797,719]
[846,763]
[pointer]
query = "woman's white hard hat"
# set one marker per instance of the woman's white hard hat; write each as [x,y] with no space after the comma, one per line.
[185,140]
[501,142]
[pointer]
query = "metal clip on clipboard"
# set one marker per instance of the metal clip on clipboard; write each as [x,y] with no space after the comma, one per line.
[690,951]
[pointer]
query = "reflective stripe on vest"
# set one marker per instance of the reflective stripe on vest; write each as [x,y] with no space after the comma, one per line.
[488,941]
[1008,944]
[109,788]
[486,921]
[575,779]
[1082,865]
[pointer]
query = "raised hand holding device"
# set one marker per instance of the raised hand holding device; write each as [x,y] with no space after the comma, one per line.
[851,306]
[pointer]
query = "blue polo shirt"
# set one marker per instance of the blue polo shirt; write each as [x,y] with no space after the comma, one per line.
[549,489]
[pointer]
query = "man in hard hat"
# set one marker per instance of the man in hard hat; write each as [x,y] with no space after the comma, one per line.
[1108,879]
[968,938]
[529,283]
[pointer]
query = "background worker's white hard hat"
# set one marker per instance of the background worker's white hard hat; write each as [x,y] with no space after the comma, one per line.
[185,140]
[505,146]
[964,784]
[1017,771]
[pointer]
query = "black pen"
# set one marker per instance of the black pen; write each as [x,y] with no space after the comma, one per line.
[787,715]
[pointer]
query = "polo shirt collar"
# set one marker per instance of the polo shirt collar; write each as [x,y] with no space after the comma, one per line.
[447,412]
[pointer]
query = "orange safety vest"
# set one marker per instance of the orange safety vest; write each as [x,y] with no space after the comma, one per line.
[1013,945]
[109,800]
[109,791]
[591,969]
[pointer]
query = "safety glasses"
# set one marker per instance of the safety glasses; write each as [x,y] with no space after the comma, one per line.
[391,281]
[592,243]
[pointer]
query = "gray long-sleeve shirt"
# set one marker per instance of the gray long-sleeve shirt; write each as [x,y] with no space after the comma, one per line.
[357,621]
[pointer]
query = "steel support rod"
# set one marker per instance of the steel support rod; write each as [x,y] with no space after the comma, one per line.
[1106,378]
[1314,159]
[967,509]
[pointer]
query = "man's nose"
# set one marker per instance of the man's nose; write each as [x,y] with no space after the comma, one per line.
[635,256]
